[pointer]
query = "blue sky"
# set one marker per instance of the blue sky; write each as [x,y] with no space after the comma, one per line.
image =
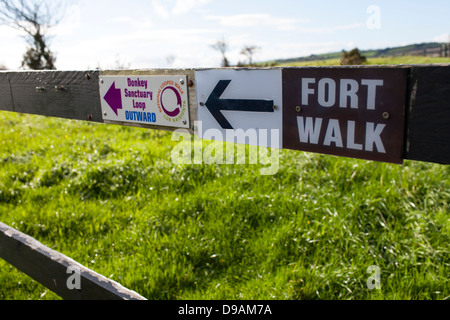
[179,33]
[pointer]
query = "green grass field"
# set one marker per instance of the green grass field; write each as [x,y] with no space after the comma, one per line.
[374,61]
[111,198]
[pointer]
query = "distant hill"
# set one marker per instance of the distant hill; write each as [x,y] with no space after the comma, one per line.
[432,49]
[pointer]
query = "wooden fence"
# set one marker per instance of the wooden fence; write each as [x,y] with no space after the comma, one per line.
[424,93]
[53,269]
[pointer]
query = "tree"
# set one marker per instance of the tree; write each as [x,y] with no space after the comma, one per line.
[120,65]
[170,59]
[222,47]
[35,18]
[352,57]
[249,51]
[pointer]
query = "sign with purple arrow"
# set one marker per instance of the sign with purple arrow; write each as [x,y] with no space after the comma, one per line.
[151,100]
[114,98]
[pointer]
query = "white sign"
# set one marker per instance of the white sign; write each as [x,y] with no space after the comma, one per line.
[234,105]
[152,100]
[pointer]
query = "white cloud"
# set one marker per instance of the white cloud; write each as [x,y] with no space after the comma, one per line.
[285,24]
[142,24]
[145,48]
[70,24]
[8,32]
[184,6]
[327,30]
[298,49]
[442,38]
[122,19]
[256,20]
[165,9]
[12,53]
[160,9]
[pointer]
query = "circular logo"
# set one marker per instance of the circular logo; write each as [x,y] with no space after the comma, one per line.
[169,103]
[170,100]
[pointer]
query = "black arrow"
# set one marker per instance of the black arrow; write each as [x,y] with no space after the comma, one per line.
[215,104]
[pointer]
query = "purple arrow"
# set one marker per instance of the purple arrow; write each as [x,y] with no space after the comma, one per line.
[114,98]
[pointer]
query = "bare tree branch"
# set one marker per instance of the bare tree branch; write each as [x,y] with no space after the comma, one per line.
[222,47]
[35,18]
[249,51]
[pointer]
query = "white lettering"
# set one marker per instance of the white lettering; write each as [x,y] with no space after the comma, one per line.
[196,152]
[374,281]
[373,136]
[349,89]
[274,159]
[371,91]
[308,132]
[323,92]
[240,136]
[351,137]
[310,129]
[333,134]
[198,142]
[374,20]
[187,310]
[181,153]
[306,90]
[74,281]
[226,309]
[213,153]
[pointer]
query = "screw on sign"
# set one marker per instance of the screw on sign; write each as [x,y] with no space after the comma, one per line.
[350,112]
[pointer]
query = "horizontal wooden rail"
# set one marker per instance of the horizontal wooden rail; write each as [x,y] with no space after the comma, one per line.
[414,108]
[428,114]
[53,269]
[76,95]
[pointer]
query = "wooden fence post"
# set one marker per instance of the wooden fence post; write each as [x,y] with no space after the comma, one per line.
[50,268]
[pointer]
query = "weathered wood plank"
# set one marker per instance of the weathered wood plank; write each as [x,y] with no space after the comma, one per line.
[6,102]
[428,120]
[77,97]
[62,94]
[50,268]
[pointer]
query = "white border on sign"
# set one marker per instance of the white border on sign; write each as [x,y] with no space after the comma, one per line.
[245,84]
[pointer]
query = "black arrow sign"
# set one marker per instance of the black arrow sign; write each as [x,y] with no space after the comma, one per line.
[215,104]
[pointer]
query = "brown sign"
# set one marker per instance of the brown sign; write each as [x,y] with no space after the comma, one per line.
[350,112]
